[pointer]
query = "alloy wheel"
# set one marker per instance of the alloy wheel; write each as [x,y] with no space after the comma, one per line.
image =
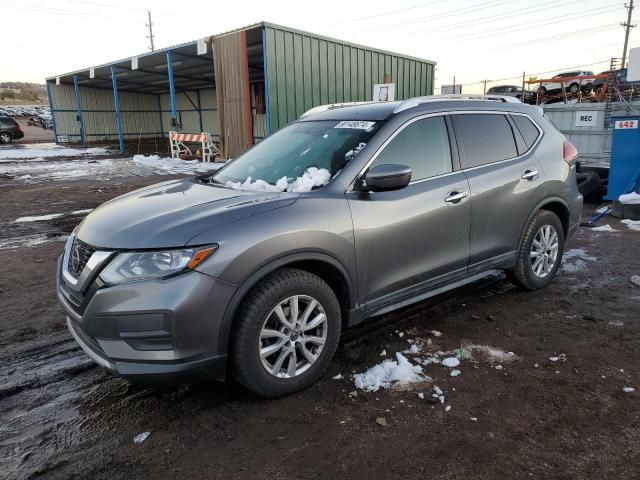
[544,251]
[292,336]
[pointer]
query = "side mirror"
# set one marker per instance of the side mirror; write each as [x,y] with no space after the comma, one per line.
[387,177]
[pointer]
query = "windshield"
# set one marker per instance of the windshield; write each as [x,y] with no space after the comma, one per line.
[298,158]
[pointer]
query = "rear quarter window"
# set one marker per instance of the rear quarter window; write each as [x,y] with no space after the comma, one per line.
[527,129]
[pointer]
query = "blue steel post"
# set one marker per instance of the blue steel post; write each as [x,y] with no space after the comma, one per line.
[172,91]
[160,111]
[266,79]
[199,110]
[53,115]
[116,102]
[76,91]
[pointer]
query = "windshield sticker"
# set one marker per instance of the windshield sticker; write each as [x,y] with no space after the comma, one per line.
[357,124]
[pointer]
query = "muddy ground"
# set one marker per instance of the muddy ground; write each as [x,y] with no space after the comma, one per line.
[524,416]
[33,134]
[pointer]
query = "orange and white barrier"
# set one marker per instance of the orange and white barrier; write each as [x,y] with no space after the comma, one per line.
[209,149]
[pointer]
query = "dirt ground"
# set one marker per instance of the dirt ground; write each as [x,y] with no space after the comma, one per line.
[33,134]
[515,416]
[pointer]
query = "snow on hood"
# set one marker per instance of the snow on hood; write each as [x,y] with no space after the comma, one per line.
[312,177]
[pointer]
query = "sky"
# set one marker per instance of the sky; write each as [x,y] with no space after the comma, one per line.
[473,40]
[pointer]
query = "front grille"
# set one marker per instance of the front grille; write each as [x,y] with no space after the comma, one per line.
[79,256]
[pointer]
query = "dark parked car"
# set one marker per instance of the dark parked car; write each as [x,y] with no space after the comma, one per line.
[620,81]
[513,91]
[9,130]
[345,214]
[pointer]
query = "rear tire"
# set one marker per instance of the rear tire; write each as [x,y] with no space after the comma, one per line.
[267,322]
[574,88]
[540,252]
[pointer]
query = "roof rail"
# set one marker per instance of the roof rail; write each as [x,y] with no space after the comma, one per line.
[330,106]
[414,102]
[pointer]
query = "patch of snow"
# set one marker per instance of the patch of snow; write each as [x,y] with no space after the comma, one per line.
[38,218]
[632,198]
[421,395]
[575,260]
[141,437]
[498,367]
[602,209]
[632,224]
[447,408]
[455,373]
[474,419]
[604,228]
[45,150]
[312,177]
[383,353]
[414,349]
[401,334]
[450,362]
[438,390]
[338,377]
[628,389]
[436,333]
[175,165]
[388,373]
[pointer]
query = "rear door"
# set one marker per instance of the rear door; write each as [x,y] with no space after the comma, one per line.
[505,178]
[411,239]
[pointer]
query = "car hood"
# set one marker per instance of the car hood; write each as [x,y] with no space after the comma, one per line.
[169,214]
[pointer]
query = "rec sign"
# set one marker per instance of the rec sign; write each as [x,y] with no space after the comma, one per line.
[586,119]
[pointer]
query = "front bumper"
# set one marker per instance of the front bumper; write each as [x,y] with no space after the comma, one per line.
[154,330]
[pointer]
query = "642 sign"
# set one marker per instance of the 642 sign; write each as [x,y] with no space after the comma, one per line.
[626,124]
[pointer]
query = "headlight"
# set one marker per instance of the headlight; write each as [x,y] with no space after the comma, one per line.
[130,266]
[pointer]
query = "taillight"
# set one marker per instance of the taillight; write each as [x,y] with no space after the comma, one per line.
[569,152]
[18,129]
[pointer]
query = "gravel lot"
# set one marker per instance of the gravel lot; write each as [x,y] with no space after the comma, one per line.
[553,409]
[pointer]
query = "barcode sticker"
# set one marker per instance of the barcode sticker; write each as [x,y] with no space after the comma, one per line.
[357,124]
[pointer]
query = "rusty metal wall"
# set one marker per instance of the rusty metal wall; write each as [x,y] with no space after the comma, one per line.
[232,90]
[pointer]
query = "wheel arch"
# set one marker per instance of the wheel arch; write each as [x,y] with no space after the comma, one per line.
[556,205]
[325,266]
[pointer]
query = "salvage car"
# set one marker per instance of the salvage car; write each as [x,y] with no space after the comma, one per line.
[571,83]
[348,213]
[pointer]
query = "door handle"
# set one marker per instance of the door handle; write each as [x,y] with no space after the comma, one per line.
[530,175]
[455,197]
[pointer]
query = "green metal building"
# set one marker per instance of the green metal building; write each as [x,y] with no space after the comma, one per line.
[239,86]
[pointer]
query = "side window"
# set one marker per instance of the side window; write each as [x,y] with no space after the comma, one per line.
[527,129]
[423,145]
[485,138]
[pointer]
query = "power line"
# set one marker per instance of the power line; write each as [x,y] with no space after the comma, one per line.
[627,30]
[385,14]
[438,16]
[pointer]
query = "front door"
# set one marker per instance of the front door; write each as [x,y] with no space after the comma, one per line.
[417,237]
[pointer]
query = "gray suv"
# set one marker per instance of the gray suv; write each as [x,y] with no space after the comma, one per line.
[348,213]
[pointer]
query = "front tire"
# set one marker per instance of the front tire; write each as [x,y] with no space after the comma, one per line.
[540,252]
[286,333]
[5,138]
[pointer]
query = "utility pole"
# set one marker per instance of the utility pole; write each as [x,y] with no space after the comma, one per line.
[627,29]
[151,35]
[484,91]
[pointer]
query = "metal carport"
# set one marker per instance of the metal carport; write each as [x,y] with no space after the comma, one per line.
[239,86]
